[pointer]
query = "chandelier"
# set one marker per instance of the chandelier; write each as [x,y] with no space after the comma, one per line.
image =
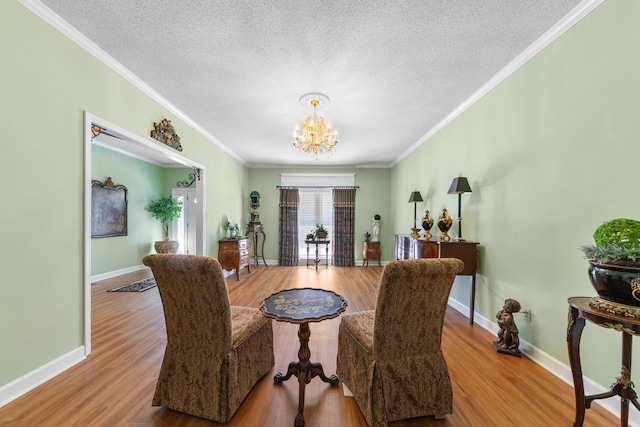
[315,137]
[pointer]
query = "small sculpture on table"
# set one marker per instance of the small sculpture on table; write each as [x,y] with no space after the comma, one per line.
[427,223]
[444,224]
[233,230]
[376,228]
[508,340]
[255,204]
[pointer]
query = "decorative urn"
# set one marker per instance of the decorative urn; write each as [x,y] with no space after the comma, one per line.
[614,261]
[444,224]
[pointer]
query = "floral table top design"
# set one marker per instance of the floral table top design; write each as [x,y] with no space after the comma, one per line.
[303,305]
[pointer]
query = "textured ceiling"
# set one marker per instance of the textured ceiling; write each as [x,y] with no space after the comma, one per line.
[393,69]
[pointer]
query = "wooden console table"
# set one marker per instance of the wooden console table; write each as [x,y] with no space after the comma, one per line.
[234,254]
[406,247]
[614,318]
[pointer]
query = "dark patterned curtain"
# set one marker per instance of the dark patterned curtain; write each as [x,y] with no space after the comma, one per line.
[344,208]
[288,238]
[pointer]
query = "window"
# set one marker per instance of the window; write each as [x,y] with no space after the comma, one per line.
[315,208]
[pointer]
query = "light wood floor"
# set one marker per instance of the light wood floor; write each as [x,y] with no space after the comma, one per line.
[114,385]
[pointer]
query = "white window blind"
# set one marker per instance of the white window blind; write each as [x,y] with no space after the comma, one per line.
[316,207]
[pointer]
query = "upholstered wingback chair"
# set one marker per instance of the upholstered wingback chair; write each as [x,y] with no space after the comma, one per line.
[215,352]
[390,358]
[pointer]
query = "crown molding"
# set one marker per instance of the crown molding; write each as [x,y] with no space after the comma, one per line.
[46,14]
[573,17]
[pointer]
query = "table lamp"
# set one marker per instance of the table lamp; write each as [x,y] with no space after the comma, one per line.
[415,198]
[458,186]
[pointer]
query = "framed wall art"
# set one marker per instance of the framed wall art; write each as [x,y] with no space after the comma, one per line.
[108,209]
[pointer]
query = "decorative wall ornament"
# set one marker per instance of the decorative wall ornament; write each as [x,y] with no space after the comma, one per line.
[108,209]
[165,133]
[192,178]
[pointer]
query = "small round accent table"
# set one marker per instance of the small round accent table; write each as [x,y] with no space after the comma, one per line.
[301,306]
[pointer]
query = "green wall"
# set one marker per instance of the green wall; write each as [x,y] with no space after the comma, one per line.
[551,153]
[47,83]
[144,182]
[371,198]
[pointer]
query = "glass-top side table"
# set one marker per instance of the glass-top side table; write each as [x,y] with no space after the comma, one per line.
[301,306]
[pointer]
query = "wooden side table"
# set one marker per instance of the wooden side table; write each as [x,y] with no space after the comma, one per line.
[370,250]
[317,258]
[608,315]
[234,254]
[301,306]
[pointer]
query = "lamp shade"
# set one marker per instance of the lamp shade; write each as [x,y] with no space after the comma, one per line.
[459,185]
[416,197]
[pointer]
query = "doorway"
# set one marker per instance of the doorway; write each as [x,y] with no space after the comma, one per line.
[184,229]
[130,144]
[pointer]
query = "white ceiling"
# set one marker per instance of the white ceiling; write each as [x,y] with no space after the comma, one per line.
[393,69]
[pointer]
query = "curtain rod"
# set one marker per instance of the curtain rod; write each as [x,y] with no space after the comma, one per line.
[319,186]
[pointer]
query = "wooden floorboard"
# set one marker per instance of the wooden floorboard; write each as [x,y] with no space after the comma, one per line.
[114,385]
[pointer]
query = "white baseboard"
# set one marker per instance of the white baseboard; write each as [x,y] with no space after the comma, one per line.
[553,365]
[116,273]
[44,373]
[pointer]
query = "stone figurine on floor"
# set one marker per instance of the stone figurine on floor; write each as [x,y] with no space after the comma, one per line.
[508,340]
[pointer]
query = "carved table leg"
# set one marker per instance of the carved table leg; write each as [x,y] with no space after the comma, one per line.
[624,381]
[304,370]
[264,237]
[623,386]
[574,333]
[326,255]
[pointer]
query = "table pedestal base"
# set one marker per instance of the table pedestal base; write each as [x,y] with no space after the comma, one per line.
[304,371]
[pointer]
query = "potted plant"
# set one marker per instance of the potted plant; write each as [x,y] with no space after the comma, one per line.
[165,209]
[321,232]
[614,261]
